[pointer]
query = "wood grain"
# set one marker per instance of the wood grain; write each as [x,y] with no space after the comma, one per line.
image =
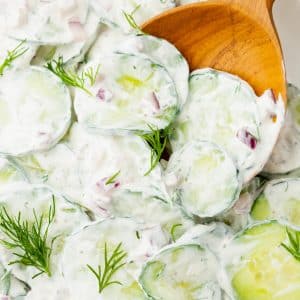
[235,36]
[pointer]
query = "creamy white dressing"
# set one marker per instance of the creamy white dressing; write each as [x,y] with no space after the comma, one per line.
[87,247]
[25,199]
[35,111]
[142,10]
[285,156]
[84,149]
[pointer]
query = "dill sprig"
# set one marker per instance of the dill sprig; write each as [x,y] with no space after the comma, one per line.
[294,241]
[92,74]
[112,179]
[172,231]
[131,21]
[29,238]
[111,265]
[70,77]
[157,140]
[12,55]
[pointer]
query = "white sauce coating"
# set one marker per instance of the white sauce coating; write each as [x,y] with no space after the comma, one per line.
[26,198]
[286,154]
[84,149]
[35,111]
[87,247]
[133,93]
[225,110]
[142,10]
[46,22]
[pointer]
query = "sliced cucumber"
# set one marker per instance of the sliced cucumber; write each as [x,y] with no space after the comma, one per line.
[56,168]
[80,167]
[279,200]
[141,10]
[134,93]
[55,22]
[212,236]
[87,247]
[35,111]
[26,199]
[285,156]
[113,39]
[181,272]
[203,179]
[259,267]
[224,109]
[73,52]
[102,157]
[151,211]
[10,174]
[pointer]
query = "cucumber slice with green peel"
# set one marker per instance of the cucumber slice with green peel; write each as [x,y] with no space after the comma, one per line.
[141,10]
[35,115]
[87,246]
[27,199]
[181,272]
[224,109]
[259,267]
[135,93]
[113,39]
[44,22]
[279,200]
[203,179]
[285,157]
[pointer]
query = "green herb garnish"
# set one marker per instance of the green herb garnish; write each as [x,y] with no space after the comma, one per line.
[70,77]
[131,21]
[29,238]
[111,265]
[112,179]
[12,55]
[294,243]
[157,140]
[172,231]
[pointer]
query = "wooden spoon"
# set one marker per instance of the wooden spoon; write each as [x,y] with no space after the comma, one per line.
[236,36]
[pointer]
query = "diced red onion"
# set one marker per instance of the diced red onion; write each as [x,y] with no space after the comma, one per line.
[247,138]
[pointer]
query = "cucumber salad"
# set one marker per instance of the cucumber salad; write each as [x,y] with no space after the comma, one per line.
[126,176]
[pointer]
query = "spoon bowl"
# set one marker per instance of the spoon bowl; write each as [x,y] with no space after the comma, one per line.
[236,36]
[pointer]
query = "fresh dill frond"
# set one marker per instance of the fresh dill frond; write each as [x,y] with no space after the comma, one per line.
[172,231]
[12,55]
[92,74]
[131,21]
[157,140]
[111,265]
[29,239]
[112,179]
[294,243]
[70,77]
